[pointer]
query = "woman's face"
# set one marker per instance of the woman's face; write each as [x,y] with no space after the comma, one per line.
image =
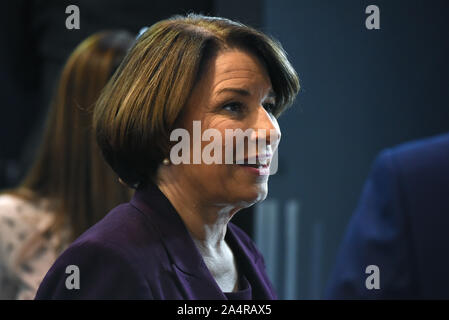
[234,92]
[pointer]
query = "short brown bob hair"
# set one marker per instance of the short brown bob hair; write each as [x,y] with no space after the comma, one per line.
[144,99]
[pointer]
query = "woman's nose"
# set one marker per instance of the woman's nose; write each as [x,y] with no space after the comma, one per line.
[267,123]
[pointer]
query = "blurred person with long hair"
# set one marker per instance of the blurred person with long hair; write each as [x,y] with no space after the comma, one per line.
[69,187]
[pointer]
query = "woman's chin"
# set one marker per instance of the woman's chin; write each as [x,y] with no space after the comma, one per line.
[253,194]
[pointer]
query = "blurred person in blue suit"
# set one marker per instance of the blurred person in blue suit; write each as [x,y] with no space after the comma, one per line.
[400,226]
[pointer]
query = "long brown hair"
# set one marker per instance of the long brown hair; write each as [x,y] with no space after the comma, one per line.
[69,170]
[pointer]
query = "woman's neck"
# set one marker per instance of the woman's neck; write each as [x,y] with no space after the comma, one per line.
[207,225]
[205,222]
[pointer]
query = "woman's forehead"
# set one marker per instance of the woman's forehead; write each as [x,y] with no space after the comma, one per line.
[237,62]
[236,69]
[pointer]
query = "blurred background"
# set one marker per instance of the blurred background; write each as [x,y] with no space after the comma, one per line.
[362,91]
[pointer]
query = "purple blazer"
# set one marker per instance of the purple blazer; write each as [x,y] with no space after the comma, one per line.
[142,250]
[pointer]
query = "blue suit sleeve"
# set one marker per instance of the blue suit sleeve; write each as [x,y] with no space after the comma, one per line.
[104,273]
[377,235]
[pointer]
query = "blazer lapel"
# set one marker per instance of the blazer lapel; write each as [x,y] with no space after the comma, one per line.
[252,265]
[198,287]
[196,282]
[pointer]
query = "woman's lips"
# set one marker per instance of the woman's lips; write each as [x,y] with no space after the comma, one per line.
[258,165]
[261,170]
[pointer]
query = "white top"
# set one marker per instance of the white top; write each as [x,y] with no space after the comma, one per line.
[20,223]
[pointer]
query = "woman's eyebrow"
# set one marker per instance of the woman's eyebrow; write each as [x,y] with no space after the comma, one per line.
[240,91]
[243,92]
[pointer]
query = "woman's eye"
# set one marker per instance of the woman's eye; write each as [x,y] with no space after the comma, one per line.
[269,107]
[234,107]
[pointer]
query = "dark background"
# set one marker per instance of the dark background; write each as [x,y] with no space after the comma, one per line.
[362,91]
